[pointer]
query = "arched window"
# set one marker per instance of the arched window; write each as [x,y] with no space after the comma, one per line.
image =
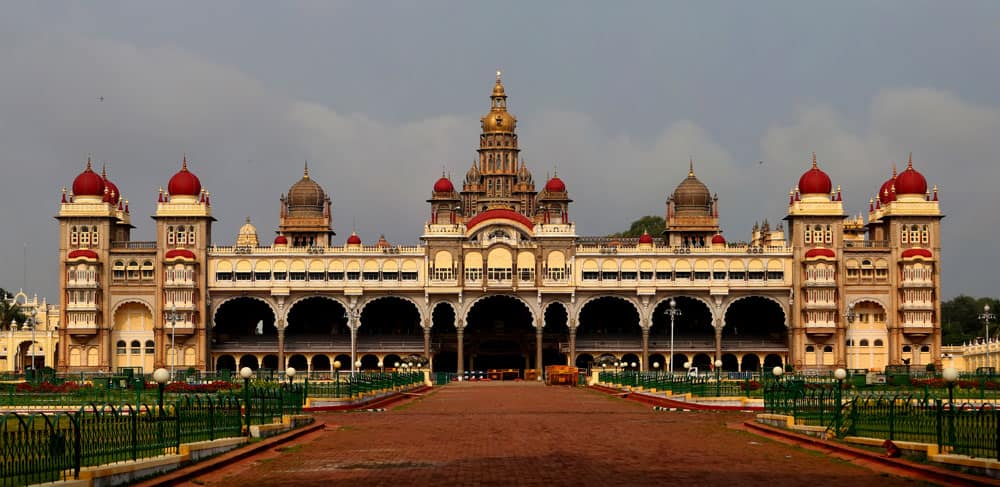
[74,236]
[170,235]
[925,349]
[810,349]
[827,349]
[147,270]
[181,236]
[132,272]
[84,236]
[191,235]
[907,349]
[93,236]
[864,342]
[118,270]
[120,347]
[150,347]
[878,342]
[136,347]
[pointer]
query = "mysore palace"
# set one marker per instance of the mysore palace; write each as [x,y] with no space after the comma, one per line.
[501,279]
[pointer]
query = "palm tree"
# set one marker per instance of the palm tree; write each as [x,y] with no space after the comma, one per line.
[9,310]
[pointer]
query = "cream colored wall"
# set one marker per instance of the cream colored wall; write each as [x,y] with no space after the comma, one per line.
[132,322]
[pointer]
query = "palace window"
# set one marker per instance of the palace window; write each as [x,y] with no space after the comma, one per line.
[84,236]
[664,276]
[829,234]
[645,275]
[702,276]
[147,270]
[118,270]
[316,276]
[682,276]
[74,236]
[526,274]
[810,349]
[924,235]
[609,276]
[170,235]
[590,275]
[808,236]
[262,276]
[408,276]
[132,271]
[878,342]
[335,276]
[389,276]
[353,275]
[473,273]
[243,276]
[907,349]
[191,235]
[280,276]
[827,349]
[925,349]
[297,276]
[150,347]
[120,347]
[755,275]
[225,276]
[719,276]
[181,236]
[136,347]
[864,342]
[775,275]
[499,273]
[371,276]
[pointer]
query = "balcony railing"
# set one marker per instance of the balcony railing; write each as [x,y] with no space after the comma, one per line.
[134,245]
[867,244]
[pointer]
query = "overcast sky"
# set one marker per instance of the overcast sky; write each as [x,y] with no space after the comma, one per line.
[379,96]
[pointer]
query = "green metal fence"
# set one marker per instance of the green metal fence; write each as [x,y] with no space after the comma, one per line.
[348,385]
[37,448]
[206,418]
[703,386]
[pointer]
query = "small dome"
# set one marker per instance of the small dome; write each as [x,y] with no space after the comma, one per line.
[247,236]
[184,183]
[354,239]
[444,185]
[280,240]
[911,181]
[499,121]
[718,239]
[382,242]
[555,185]
[88,183]
[887,192]
[815,181]
[646,238]
[113,196]
[692,198]
[306,197]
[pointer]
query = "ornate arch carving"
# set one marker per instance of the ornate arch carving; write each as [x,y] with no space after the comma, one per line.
[583,305]
[781,306]
[364,304]
[472,304]
[217,304]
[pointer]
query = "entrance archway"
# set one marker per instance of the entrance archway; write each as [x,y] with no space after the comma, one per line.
[317,323]
[444,341]
[693,330]
[608,324]
[249,361]
[133,323]
[499,335]
[555,333]
[225,362]
[242,322]
[756,320]
[584,361]
[392,324]
[750,363]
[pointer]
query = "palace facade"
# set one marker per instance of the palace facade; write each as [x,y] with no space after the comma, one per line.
[501,279]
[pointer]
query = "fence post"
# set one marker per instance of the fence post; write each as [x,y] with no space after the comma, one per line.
[892,418]
[77,444]
[211,419]
[939,413]
[134,421]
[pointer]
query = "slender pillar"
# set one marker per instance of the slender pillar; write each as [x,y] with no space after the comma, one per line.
[645,350]
[718,344]
[354,347]
[460,332]
[427,343]
[538,351]
[281,344]
[572,346]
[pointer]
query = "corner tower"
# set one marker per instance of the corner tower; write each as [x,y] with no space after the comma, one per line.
[305,218]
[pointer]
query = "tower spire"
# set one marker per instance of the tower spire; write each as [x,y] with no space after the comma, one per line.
[909,161]
[814,161]
[184,164]
[690,167]
[305,171]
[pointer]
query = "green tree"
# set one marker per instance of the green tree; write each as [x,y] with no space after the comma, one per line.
[960,319]
[652,224]
[9,311]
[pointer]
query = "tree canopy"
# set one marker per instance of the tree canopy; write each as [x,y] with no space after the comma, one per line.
[960,321]
[652,224]
[9,311]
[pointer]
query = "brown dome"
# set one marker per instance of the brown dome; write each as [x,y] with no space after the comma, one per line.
[692,196]
[306,197]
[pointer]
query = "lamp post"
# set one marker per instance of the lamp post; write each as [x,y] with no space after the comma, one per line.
[336,375]
[160,376]
[986,317]
[31,318]
[950,375]
[850,316]
[290,373]
[172,316]
[246,374]
[718,371]
[777,371]
[656,374]
[673,312]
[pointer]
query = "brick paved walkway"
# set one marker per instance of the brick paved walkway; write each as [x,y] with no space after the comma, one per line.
[529,434]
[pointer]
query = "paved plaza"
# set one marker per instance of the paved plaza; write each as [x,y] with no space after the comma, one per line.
[528,434]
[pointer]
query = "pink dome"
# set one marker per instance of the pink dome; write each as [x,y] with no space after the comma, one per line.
[88,183]
[718,239]
[280,240]
[354,239]
[184,182]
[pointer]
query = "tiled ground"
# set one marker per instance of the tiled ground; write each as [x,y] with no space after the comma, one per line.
[529,434]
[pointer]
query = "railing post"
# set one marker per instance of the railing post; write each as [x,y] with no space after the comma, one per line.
[77,444]
[939,419]
[211,419]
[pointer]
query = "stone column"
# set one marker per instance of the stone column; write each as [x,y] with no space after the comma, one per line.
[572,346]
[354,347]
[160,357]
[460,332]
[427,343]
[281,344]
[645,350]
[718,344]
[538,351]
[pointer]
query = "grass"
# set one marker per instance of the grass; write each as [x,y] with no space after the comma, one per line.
[289,449]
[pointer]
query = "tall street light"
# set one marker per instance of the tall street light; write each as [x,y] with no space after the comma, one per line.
[850,316]
[31,318]
[986,317]
[673,312]
[172,316]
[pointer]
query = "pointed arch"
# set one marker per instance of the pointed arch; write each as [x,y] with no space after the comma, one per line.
[633,302]
[472,304]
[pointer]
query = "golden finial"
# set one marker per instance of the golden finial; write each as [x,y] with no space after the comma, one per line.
[909,161]
[184,165]
[894,170]
[104,171]
[814,160]
[248,219]
[498,75]
[88,162]
[305,171]
[690,167]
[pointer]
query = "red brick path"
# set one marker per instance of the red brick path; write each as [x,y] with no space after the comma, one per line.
[529,434]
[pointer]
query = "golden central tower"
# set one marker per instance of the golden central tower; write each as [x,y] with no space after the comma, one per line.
[496,180]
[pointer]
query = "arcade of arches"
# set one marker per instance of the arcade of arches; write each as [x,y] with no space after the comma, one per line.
[505,332]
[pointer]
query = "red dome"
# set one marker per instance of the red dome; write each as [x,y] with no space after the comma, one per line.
[912,253]
[910,181]
[354,239]
[815,181]
[443,185]
[113,196]
[555,185]
[645,238]
[88,183]
[280,240]
[184,182]
[887,192]
[718,239]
